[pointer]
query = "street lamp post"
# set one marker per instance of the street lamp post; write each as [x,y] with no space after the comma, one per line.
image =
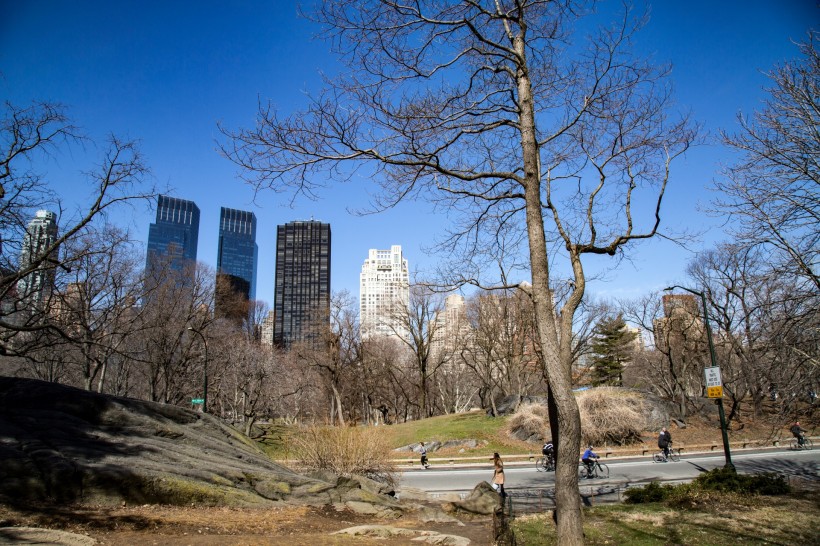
[726,451]
[205,371]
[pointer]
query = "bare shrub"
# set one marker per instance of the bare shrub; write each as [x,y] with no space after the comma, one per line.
[345,451]
[612,416]
[530,421]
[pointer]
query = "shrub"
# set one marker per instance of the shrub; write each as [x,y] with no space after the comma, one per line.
[653,492]
[612,415]
[345,451]
[715,488]
[727,480]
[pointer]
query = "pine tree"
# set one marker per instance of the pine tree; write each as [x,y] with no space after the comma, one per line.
[612,347]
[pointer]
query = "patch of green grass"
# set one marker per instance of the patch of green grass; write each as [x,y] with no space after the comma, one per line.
[462,426]
[474,425]
[782,520]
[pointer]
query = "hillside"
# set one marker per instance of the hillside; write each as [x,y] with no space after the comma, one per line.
[61,444]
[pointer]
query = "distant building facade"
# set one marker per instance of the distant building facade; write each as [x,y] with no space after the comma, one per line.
[237,254]
[452,329]
[173,238]
[302,283]
[384,294]
[41,233]
[681,319]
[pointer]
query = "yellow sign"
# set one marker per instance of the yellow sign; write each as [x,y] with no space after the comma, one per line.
[714,392]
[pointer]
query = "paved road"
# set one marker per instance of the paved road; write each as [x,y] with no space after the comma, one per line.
[623,471]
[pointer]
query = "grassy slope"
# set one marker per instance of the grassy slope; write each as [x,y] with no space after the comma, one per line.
[763,520]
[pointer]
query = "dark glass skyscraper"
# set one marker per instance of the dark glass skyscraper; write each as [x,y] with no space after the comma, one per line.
[302,290]
[238,253]
[174,236]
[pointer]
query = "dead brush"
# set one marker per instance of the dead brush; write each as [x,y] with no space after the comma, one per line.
[345,451]
[611,416]
[529,420]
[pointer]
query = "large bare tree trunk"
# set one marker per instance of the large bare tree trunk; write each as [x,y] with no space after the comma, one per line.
[567,500]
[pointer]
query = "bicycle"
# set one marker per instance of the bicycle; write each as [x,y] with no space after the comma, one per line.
[597,470]
[660,457]
[545,464]
[807,444]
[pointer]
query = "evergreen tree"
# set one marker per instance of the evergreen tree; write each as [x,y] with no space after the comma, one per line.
[612,347]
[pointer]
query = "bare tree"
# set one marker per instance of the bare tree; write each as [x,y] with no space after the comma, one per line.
[172,356]
[334,354]
[489,109]
[95,310]
[766,328]
[415,329]
[26,135]
[774,188]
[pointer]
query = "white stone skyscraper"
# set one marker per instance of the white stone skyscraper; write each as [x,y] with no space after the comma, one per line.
[384,293]
[41,233]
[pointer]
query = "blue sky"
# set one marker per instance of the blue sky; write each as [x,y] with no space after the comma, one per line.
[166,72]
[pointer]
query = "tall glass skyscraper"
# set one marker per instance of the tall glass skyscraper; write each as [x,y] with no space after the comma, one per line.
[238,253]
[41,233]
[174,236]
[302,286]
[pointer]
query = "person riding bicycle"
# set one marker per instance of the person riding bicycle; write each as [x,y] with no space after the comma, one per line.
[798,432]
[588,458]
[665,442]
[548,451]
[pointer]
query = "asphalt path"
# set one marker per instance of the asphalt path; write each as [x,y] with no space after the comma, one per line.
[623,472]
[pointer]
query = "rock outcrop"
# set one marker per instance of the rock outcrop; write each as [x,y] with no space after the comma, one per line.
[60,444]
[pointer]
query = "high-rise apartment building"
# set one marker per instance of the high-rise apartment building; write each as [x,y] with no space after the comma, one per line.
[41,234]
[238,253]
[452,329]
[173,238]
[384,293]
[301,302]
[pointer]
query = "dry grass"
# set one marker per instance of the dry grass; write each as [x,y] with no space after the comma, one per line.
[611,416]
[345,451]
[531,419]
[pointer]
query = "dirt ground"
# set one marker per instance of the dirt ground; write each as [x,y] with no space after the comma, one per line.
[207,526]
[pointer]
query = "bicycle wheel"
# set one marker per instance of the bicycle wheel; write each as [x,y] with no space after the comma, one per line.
[658,458]
[601,471]
[807,444]
[539,465]
[794,445]
[582,472]
[674,456]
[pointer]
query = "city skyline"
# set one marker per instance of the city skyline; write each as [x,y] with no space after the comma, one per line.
[157,73]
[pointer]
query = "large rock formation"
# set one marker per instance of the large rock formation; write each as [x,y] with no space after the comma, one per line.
[61,444]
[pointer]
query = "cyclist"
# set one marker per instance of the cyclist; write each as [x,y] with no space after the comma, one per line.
[588,458]
[798,433]
[665,442]
[548,451]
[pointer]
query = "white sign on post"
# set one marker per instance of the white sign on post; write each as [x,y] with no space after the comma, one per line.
[714,385]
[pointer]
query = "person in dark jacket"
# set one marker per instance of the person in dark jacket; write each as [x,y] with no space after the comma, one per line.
[798,433]
[665,442]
